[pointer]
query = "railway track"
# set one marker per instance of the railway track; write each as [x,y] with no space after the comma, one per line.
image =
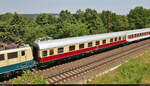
[69,71]
[80,70]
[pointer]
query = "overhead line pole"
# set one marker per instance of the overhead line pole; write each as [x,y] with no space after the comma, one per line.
[108,21]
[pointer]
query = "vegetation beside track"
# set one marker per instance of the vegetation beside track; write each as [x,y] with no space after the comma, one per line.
[135,71]
[29,77]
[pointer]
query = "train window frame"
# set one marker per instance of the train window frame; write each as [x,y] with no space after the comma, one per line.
[23,53]
[124,37]
[142,34]
[81,46]
[111,39]
[104,41]
[90,44]
[119,38]
[97,43]
[132,36]
[60,50]
[115,38]
[129,36]
[44,53]
[12,55]
[72,48]
[51,51]
[2,57]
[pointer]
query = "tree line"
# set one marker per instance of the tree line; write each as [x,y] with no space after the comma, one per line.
[18,28]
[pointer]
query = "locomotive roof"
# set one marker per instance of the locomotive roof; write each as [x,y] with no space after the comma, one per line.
[82,39]
[15,49]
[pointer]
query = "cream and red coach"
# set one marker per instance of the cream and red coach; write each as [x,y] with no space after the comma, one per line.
[50,50]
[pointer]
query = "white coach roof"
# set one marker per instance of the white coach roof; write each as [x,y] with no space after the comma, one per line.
[82,39]
[75,40]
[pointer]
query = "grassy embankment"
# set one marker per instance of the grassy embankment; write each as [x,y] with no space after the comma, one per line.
[136,70]
[29,77]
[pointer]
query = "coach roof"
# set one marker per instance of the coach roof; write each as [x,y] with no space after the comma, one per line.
[83,39]
[75,40]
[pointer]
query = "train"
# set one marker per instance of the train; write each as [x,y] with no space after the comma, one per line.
[24,57]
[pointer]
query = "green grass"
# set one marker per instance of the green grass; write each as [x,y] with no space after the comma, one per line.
[29,77]
[136,70]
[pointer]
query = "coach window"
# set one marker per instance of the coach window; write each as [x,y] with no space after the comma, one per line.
[142,33]
[111,40]
[123,37]
[72,48]
[60,50]
[116,39]
[81,46]
[22,53]
[134,35]
[97,42]
[89,44]
[104,41]
[1,57]
[120,38]
[129,36]
[12,55]
[44,53]
[51,52]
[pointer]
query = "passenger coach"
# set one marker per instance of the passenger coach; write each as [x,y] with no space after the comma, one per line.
[61,48]
[133,35]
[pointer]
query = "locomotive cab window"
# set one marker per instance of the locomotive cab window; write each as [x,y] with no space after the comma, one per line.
[44,53]
[97,42]
[22,53]
[51,52]
[81,46]
[12,55]
[89,44]
[72,48]
[104,41]
[1,57]
[60,50]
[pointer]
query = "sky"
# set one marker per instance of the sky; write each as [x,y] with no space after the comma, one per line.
[55,6]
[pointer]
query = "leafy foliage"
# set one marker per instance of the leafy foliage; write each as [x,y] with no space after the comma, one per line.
[18,28]
[29,77]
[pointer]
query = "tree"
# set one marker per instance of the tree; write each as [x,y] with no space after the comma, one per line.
[138,18]
[66,16]
[32,34]
[94,22]
[121,23]
[79,15]
[6,17]
[44,19]
[72,30]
